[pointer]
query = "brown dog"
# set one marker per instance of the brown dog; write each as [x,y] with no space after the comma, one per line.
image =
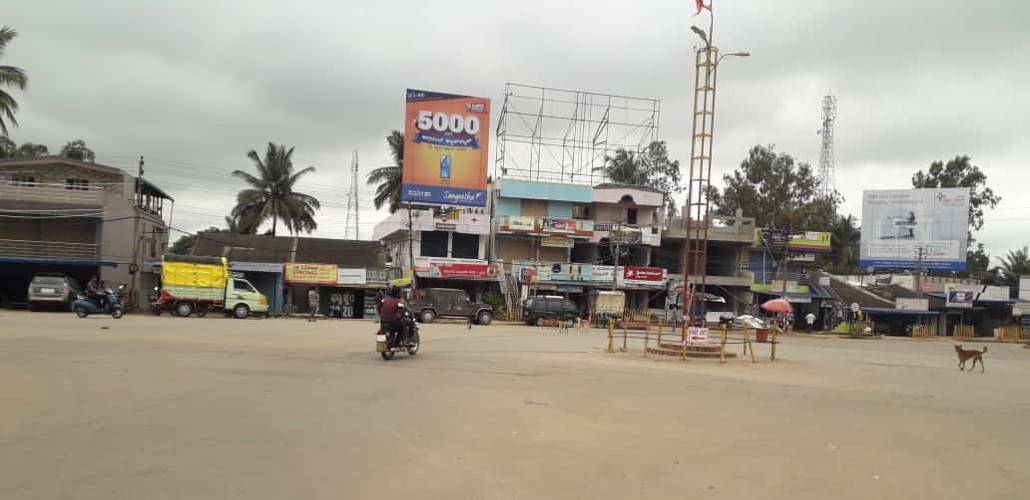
[967,354]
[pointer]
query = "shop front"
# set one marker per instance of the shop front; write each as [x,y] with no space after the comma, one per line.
[477,277]
[267,277]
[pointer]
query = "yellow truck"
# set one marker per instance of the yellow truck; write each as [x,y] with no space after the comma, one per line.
[198,285]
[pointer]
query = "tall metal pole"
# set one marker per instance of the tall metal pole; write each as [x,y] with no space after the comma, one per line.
[411,246]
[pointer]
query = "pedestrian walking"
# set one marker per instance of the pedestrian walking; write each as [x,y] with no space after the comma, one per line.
[313,300]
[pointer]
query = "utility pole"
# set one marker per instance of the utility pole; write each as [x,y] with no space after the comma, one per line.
[920,254]
[616,237]
[135,267]
[411,246]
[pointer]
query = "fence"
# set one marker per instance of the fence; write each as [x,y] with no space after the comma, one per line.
[661,339]
[964,332]
[1011,333]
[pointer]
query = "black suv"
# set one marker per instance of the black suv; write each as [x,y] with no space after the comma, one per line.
[549,307]
[449,303]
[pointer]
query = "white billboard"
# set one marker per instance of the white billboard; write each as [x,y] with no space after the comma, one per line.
[900,224]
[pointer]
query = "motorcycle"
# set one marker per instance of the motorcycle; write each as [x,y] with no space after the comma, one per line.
[112,304]
[390,343]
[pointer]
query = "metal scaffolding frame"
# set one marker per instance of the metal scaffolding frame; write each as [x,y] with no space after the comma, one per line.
[558,135]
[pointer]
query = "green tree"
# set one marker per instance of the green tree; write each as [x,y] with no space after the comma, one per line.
[7,147]
[777,191]
[78,150]
[235,224]
[271,195]
[388,179]
[30,150]
[1013,265]
[10,77]
[650,168]
[960,172]
[184,245]
[844,239]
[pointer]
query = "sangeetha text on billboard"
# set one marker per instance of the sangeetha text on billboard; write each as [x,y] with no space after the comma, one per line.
[446,144]
[911,228]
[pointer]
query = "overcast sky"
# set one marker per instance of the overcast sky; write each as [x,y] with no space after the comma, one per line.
[194,85]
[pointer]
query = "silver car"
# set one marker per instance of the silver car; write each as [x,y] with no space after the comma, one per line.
[52,289]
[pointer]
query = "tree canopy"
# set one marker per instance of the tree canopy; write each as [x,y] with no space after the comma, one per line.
[11,77]
[1013,265]
[271,195]
[650,168]
[777,191]
[388,179]
[78,150]
[960,172]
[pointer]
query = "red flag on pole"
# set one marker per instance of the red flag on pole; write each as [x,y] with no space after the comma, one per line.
[701,6]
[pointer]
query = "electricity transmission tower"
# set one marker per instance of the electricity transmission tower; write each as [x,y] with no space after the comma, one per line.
[827,181]
[352,201]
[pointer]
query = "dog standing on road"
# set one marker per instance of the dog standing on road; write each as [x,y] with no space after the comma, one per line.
[967,354]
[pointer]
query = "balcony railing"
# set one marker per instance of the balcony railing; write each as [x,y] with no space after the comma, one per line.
[720,228]
[51,193]
[60,250]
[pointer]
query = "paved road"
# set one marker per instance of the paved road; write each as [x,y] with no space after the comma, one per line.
[216,408]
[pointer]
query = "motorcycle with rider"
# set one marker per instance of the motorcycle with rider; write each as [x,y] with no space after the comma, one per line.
[398,330]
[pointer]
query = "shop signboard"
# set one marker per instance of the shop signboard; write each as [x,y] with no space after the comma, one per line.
[556,241]
[518,223]
[300,273]
[653,276]
[960,296]
[550,225]
[910,304]
[457,270]
[446,149]
[351,276]
[810,242]
[257,267]
[994,293]
[602,274]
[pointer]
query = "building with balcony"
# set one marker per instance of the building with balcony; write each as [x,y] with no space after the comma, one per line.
[727,274]
[78,218]
[445,246]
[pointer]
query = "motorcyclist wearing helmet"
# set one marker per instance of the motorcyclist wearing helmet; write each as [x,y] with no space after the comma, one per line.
[94,291]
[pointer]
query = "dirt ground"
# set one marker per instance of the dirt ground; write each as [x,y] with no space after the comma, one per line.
[192,408]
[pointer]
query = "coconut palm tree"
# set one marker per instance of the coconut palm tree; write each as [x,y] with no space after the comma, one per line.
[236,224]
[844,239]
[10,76]
[271,195]
[388,179]
[1015,264]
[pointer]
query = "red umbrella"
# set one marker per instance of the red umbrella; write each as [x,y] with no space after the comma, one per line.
[778,306]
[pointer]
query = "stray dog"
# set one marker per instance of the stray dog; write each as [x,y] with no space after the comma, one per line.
[967,354]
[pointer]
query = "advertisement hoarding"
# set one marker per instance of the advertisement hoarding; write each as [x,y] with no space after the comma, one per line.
[960,296]
[810,242]
[446,144]
[901,227]
[310,274]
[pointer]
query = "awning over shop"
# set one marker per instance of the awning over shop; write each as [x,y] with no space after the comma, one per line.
[58,262]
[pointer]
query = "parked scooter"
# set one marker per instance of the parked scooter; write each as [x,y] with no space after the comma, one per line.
[110,304]
[390,343]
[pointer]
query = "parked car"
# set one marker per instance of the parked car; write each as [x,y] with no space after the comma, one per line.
[53,289]
[543,307]
[449,303]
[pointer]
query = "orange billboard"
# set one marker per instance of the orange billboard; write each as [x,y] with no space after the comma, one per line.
[446,147]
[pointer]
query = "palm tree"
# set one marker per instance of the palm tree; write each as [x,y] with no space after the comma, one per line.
[844,239]
[388,179]
[1015,264]
[10,76]
[271,195]
[623,168]
[236,224]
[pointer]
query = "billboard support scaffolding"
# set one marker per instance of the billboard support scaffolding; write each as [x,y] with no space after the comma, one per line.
[557,135]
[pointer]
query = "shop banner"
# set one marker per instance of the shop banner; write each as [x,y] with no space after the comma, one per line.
[960,296]
[351,276]
[519,223]
[655,276]
[550,225]
[995,293]
[602,274]
[810,242]
[446,149]
[310,274]
[556,241]
[457,270]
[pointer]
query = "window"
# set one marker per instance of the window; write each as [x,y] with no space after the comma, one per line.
[243,286]
[465,246]
[581,212]
[433,244]
[631,216]
[23,180]
[76,184]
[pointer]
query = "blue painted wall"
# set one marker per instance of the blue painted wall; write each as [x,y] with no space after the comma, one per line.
[509,206]
[562,209]
[545,191]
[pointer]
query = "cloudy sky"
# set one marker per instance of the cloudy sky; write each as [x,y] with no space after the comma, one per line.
[194,85]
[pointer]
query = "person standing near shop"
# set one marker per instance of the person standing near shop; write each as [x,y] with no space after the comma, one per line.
[313,300]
